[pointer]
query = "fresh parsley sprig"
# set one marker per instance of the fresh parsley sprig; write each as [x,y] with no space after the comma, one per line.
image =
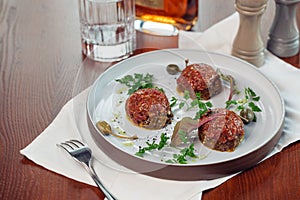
[249,98]
[173,101]
[203,107]
[154,145]
[249,102]
[247,105]
[184,101]
[184,153]
[136,82]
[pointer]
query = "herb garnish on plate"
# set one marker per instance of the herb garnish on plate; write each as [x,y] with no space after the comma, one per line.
[136,82]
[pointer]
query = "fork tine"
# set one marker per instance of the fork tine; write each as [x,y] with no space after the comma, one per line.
[77,142]
[62,145]
[71,144]
[74,143]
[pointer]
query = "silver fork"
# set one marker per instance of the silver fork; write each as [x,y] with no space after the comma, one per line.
[83,154]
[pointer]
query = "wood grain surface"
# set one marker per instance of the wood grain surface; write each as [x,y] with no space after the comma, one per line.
[40,54]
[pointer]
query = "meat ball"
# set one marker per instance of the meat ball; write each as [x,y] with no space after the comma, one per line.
[199,78]
[149,108]
[223,131]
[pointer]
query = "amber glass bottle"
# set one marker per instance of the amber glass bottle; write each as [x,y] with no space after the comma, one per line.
[183,14]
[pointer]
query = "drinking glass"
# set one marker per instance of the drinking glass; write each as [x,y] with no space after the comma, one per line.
[107,29]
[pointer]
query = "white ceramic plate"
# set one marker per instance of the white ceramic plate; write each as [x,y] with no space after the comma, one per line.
[106,101]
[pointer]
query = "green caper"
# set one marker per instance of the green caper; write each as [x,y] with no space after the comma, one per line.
[173,69]
[105,129]
[247,115]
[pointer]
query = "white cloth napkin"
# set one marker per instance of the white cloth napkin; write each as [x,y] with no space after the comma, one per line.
[126,184]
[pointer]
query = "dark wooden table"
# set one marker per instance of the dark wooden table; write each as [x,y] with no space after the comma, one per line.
[40,53]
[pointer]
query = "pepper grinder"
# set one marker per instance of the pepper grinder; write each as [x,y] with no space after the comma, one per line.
[248,44]
[284,35]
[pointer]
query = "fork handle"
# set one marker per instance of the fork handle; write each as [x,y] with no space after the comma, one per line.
[107,194]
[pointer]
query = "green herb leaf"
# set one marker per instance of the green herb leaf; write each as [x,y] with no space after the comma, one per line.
[186,95]
[251,92]
[240,107]
[209,104]
[181,105]
[136,82]
[198,95]
[248,102]
[230,102]
[203,106]
[163,141]
[256,98]
[183,136]
[254,107]
[152,146]
[194,103]
[184,153]
[173,101]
